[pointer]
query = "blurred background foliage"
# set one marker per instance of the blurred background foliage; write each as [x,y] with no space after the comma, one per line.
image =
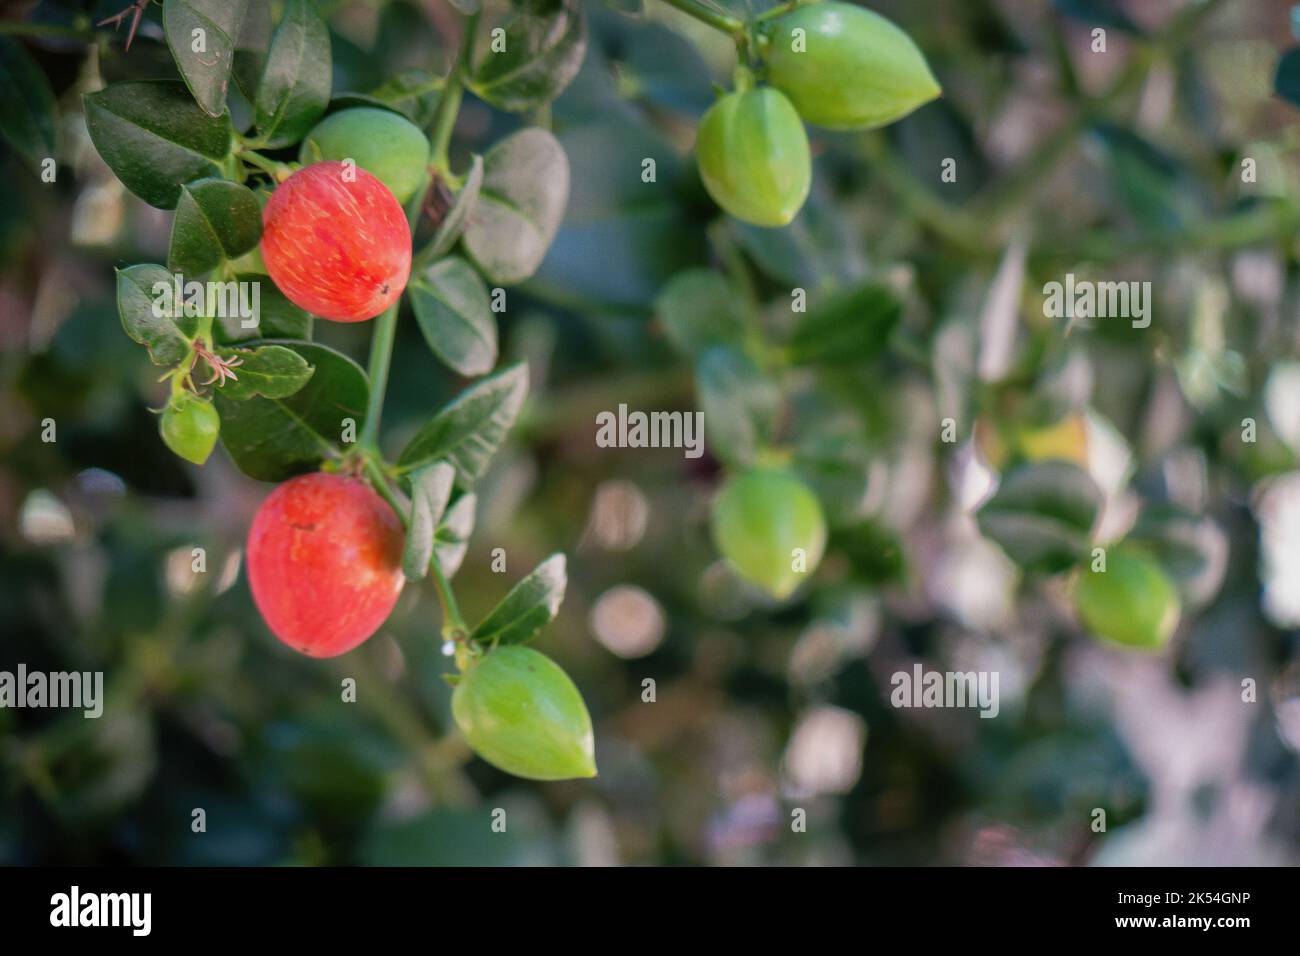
[1122,165]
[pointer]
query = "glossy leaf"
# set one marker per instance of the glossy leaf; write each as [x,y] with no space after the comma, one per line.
[274,439]
[294,88]
[214,25]
[155,322]
[216,220]
[543,48]
[277,317]
[452,307]
[271,371]
[530,606]
[155,138]
[468,432]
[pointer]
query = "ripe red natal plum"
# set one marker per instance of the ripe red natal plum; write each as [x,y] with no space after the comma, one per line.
[325,562]
[336,242]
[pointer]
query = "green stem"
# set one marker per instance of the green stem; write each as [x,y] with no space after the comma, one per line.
[381,354]
[276,170]
[380,483]
[719,21]
[444,120]
[454,625]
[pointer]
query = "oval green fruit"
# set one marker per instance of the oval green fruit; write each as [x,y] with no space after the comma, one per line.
[521,713]
[759,518]
[848,68]
[386,145]
[754,157]
[1132,602]
[190,426]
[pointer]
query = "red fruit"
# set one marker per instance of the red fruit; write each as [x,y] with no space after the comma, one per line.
[336,242]
[324,563]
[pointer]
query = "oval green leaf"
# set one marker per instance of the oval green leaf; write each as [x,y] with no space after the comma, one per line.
[151,316]
[468,432]
[155,138]
[273,439]
[216,220]
[213,26]
[295,85]
[520,205]
[452,307]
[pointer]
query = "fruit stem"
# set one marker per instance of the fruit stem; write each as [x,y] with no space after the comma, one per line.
[453,625]
[714,18]
[381,354]
[276,170]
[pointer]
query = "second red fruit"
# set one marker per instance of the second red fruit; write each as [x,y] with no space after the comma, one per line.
[336,242]
[325,563]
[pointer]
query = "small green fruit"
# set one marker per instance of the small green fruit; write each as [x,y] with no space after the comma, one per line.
[759,519]
[190,426]
[521,712]
[754,158]
[386,145]
[1132,602]
[850,68]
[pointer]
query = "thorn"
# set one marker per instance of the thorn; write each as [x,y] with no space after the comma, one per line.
[136,9]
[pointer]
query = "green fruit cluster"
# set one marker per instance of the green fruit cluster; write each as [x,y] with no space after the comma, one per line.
[832,64]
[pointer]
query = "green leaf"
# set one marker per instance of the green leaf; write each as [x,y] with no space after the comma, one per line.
[451,540]
[525,189]
[276,317]
[269,371]
[468,432]
[543,49]
[451,304]
[155,138]
[529,607]
[453,222]
[430,490]
[28,112]
[216,220]
[849,329]
[699,309]
[139,301]
[1042,515]
[214,24]
[250,48]
[272,439]
[295,85]
[740,404]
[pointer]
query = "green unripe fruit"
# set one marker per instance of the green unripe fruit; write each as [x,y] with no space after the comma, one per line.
[1132,602]
[754,158]
[759,519]
[850,68]
[520,712]
[388,146]
[190,426]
